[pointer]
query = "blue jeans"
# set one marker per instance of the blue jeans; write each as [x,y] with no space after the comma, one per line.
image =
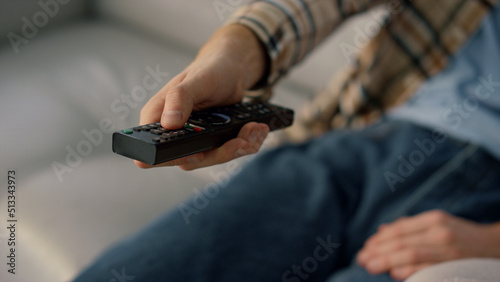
[302,212]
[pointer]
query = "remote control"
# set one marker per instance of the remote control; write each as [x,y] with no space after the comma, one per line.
[204,130]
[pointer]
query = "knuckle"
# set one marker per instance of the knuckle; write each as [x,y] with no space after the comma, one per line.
[445,236]
[174,93]
[439,217]
[143,112]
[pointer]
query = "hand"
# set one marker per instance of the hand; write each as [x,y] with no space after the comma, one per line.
[229,63]
[413,243]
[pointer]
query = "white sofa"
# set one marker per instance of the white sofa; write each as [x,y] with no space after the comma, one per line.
[66,70]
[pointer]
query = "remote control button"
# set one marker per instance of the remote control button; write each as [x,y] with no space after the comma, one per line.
[219,119]
[199,129]
[145,128]
[128,131]
[199,118]
[156,139]
[137,128]
[155,131]
[244,116]
[152,126]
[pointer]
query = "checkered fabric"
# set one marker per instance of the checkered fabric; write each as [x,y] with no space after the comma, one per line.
[414,42]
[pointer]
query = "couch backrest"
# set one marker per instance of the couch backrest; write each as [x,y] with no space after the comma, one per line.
[23,20]
[189,23]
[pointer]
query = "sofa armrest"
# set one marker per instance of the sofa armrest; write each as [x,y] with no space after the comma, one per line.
[479,270]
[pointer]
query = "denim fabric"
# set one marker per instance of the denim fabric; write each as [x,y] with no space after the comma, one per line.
[301,212]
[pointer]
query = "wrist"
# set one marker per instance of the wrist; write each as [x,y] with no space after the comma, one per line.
[493,234]
[242,48]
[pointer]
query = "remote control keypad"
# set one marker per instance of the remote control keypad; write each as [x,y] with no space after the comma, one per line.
[243,111]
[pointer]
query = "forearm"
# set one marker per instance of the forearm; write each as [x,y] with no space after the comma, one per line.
[240,45]
[289,30]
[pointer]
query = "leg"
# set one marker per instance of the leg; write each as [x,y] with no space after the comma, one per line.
[280,219]
[285,215]
[431,173]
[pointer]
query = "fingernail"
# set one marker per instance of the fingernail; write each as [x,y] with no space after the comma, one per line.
[171,116]
[253,136]
[193,159]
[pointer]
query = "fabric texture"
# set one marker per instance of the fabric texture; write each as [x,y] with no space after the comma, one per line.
[414,43]
[301,212]
[464,99]
[478,270]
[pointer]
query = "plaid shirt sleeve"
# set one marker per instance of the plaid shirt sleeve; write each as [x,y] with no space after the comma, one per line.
[290,29]
[415,43]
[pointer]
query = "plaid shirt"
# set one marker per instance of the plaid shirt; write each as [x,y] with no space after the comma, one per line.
[415,42]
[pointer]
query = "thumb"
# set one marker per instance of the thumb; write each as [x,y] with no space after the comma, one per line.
[178,106]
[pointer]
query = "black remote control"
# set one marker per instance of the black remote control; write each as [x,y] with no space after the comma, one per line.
[206,129]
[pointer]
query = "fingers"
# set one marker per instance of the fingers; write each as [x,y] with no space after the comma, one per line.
[177,107]
[248,141]
[392,246]
[408,225]
[409,257]
[403,272]
[409,243]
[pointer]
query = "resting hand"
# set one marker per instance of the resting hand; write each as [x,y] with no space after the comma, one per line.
[412,243]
